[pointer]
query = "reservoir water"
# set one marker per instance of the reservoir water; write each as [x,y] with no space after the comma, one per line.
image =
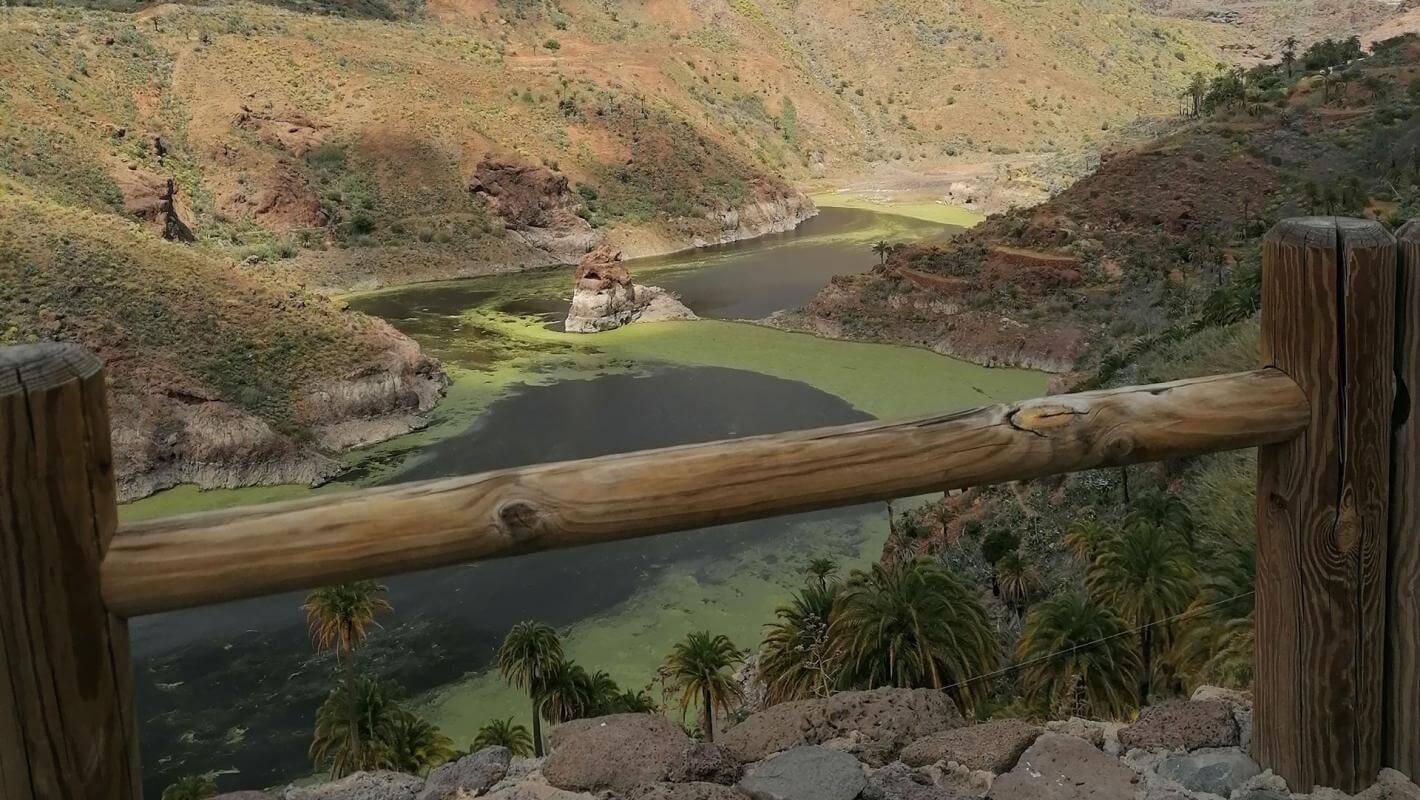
[234,688]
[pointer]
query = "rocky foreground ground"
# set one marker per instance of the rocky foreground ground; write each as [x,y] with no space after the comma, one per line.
[886,744]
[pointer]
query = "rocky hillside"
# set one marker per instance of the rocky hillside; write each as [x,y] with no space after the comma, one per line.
[1162,238]
[886,744]
[378,142]
[220,375]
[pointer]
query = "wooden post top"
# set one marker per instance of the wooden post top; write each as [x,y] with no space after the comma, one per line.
[29,368]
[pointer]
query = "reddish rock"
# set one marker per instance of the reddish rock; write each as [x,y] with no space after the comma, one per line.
[1182,725]
[993,746]
[873,725]
[600,269]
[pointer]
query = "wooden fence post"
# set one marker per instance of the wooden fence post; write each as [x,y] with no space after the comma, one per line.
[67,728]
[1328,309]
[1402,698]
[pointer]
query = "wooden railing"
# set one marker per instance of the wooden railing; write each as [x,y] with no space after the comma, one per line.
[1338,589]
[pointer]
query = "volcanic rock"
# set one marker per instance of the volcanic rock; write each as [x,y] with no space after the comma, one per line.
[874,725]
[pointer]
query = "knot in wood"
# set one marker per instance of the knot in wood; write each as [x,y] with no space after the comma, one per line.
[1041,419]
[520,520]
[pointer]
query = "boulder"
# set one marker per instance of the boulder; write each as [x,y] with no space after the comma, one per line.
[470,776]
[536,791]
[1391,785]
[683,791]
[245,795]
[884,721]
[993,746]
[1063,767]
[1213,771]
[1092,731]
[380,785]
[897,781]
[706,762]
[1233,697]
[805,773]
[618,752]
[1182,725]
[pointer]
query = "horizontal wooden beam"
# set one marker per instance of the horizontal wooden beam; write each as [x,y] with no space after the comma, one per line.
[208,558]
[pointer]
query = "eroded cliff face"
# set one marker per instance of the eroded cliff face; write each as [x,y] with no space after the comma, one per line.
[535,206]
[168,435]
[769,208]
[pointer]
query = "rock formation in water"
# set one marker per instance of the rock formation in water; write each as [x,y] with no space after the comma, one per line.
[604,297]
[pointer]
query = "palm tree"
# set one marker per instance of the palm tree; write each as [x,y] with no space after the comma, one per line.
[565,692]
[412,745]
[1165,511]
[193,787]
[1085,537]
[1216,638]
[883,249]
[913,624]
[503,733]
[1146,575]
[1289,54]
[339,619]
[602,693]
[637,702]
[1196,91]
[821,570]
[530,651]
[1076,654]
[1018,580]
[796,659]
[342,748]
[700,669]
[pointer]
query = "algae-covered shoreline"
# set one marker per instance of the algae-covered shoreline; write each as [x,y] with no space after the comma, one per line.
[522,393]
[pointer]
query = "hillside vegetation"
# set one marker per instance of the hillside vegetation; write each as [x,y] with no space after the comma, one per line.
[1145,271]
[342,144]
[180,179]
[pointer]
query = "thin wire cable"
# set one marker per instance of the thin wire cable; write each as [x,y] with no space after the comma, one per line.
[1190,613]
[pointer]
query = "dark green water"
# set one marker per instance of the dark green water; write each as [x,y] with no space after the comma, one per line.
[234,688]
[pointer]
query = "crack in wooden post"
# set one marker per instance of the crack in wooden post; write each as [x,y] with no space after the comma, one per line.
[1402,690]
[1328,307]
[67,726]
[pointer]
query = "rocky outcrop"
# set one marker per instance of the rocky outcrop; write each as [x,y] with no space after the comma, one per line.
[189,433]
[805,773]
[873,725]
[771,208]
[535,205]
[154,199]
[604,297]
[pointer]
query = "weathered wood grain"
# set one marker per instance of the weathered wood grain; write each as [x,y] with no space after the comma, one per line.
[67,727]
[1402,701]
[200,559]
[1328,304]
